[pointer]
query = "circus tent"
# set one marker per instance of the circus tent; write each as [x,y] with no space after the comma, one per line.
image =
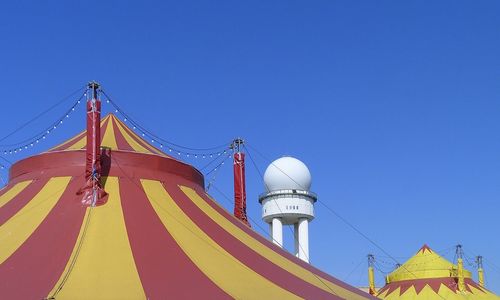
[156,235]
[429,276]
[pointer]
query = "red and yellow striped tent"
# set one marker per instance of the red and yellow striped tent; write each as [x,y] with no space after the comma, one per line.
[157,236]
[428,276]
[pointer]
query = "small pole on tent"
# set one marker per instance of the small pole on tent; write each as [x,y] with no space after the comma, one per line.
[371,275]
[480,270]
[460,264]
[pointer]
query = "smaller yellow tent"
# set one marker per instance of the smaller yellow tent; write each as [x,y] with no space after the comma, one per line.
[428,276]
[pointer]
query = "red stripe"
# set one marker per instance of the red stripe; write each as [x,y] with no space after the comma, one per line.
[34,269]
[165,270]
[121,143]
[21,199]
[141,141]
[243,253]
[275,248]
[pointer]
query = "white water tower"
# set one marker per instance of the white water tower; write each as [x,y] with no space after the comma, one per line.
[288,201]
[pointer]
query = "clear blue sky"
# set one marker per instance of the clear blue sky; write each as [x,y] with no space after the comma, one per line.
[393,105]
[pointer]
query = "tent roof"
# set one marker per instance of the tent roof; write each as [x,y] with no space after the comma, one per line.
[425,264]
[427,275]
[158,236]
[115,135]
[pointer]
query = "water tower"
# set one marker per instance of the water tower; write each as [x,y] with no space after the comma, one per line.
[288,201]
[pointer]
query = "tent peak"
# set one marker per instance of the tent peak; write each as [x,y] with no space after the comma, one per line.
[424,248]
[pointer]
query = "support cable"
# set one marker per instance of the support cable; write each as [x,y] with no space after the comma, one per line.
[345,221]
[35,139]
[215,172]
[42,113]
[158,201]
[171,146]
[215,159]
[263,230]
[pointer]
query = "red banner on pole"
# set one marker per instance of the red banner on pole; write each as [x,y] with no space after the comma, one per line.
[240,197]
[93,193]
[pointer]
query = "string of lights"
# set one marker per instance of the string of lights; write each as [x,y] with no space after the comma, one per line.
[66,98]
[165,145]
[15,148]
[40,136]
[214,160]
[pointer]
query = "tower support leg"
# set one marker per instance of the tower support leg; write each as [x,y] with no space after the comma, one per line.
[303,239]
[277,230]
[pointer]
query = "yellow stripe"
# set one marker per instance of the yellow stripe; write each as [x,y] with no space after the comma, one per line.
[18,228]
[105,267]
[135,145]
[226,271]
[267,252]
[109,140]
[14,191]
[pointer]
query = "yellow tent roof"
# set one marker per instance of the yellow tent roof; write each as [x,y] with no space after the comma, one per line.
[429,276]
[425,264]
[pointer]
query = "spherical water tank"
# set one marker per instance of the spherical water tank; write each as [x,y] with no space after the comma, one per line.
[287,173]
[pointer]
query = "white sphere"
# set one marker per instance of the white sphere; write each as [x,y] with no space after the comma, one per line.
[287,173]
